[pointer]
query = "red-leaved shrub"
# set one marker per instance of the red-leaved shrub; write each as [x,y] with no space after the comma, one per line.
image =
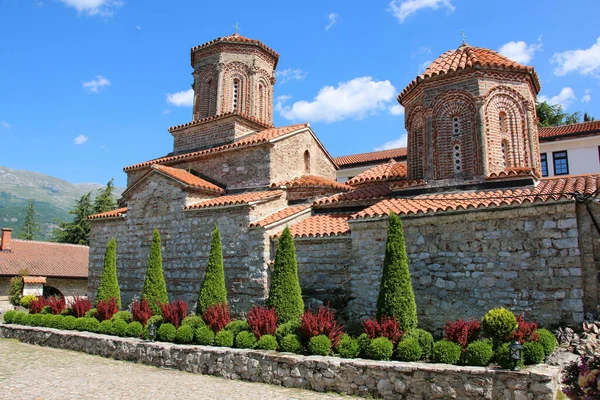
[141,311]
[386,327]
[57,304]
[36,305]
[174,312]
[321,323]
[526,331]
[217,317]
[106,309]
[462,332]
[80,306]
[262,321]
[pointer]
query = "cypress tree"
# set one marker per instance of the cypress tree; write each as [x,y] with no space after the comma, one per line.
[109,285]
[30,226]
[285,295]
[213,291]
[155,288]
[396,297]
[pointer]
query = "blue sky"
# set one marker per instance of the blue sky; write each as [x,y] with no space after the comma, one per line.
[90,86]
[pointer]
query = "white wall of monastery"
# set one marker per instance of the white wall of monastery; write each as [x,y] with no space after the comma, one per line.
[583,154]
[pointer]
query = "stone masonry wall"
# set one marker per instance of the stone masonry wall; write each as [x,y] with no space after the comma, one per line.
[69,287]
[389,380]
[589,244]
[463,264]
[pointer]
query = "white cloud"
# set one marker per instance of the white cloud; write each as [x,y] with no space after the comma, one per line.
[403,9]
[423,66]
[139,28]
[584,61]
[564,98]
[81,139]
[5,125]
[103,8]
[396,109]
[587,97]
[181,99]
[96,85]
[393,144]
[166,111]
[353,99]
[520,51]
[422,51]
[290,74]
[332,20]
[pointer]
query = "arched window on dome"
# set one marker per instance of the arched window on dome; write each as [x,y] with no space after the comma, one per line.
[457,159]
[502,122]
[261,102]
[456,128]
[236,90]
[307,162]
[505,157]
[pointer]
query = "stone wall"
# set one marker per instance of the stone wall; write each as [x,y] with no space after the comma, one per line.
[465,263]
[589,245]
[390,380]
[69,287]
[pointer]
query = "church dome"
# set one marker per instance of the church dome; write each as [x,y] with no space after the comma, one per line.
[236,38]
[468,57]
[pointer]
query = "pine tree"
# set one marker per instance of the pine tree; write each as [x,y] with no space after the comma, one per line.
[78,230]
[285,295]
[109,284]
[105,200]
[155,288]
[213,291]
[396,297]
[30,226]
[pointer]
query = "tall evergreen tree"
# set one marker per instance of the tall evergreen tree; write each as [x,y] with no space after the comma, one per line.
[213,290]
[109,284]
[105,200]
[155,288]
[396,297]
[285,295]
[30,226]
[78,230]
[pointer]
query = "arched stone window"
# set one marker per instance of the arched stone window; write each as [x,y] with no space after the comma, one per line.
[502,122]
[307,162]
[261,102]
[456,126]
[456,156]
[505,153]
[236,92]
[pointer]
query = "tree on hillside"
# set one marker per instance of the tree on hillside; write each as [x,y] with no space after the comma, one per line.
[587,117]
[109,284]
[554,115]
[105,200]
[213,291]
[30,226]
[78,230]
[155,288]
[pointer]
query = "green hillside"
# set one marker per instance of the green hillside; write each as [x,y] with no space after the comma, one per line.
[53,198]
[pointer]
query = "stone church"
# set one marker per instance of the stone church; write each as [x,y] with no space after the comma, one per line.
[482,228]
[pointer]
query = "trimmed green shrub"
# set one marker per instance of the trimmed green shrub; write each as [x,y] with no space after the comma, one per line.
[91,324]
[157,320]
[57,322]
[237,326]
[26,300]
[109,285]
[69,322]
[319,345]
[167,332]
[478,354]
[193,321]
[288,328]
[213,291]
[224,338]
[533,353]
[18,318]
[46,310]
[548,340]
[285,295]
[185,334]
[445,351]
[120,327]
[364,341]
[409,350]
[91,312]
[205,336]
[502,357]
[380,349]
[37,319]
[106,327]
[9,315]
[47,320]
[498,324]
[27,319]
[348,347]
[135,329]
[155,288]
[425,340]
[396,297]
[245,340]
[124,315]
[267,342]
[291,344]
[66,311]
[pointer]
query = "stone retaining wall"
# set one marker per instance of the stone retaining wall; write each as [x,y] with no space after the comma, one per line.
[354,377]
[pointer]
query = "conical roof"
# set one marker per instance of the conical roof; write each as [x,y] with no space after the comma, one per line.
[235,38]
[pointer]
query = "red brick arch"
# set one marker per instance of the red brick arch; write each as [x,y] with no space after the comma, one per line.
[206,93]
[417,143]
[240,71]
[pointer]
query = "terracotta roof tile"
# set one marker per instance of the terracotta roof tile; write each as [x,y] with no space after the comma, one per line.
[546,190]
[34,279]
[263,136]
[372,157]
[281,215]
[469,57]
[118,213]
[189,179]
[385,172]
[321,225]
[312,181]
[45,259]
[236,199]
[217,117]
[235,38]
[511,172]
[367,193]
[557,132]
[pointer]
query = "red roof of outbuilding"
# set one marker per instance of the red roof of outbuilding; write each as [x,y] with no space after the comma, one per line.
[371,157]
[391,171]
[565,131]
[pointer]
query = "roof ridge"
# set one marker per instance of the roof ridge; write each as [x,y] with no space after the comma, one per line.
[49,243]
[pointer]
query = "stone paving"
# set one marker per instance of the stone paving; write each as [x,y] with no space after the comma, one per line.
[30,372]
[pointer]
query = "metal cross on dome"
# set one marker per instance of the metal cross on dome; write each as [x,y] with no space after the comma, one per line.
[464,37]
[237,28]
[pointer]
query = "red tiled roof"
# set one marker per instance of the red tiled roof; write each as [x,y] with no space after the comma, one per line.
[580,129]
[368,193]
[511,172]
[321,225]
[189,179]
[469,57]
[119,212]
[34,279]
[312,181]
[281,215]
[236,199]
[45,259]
[371,157]
[235,38]
[546,190]
[247,141]
[217,117]
[385,172]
